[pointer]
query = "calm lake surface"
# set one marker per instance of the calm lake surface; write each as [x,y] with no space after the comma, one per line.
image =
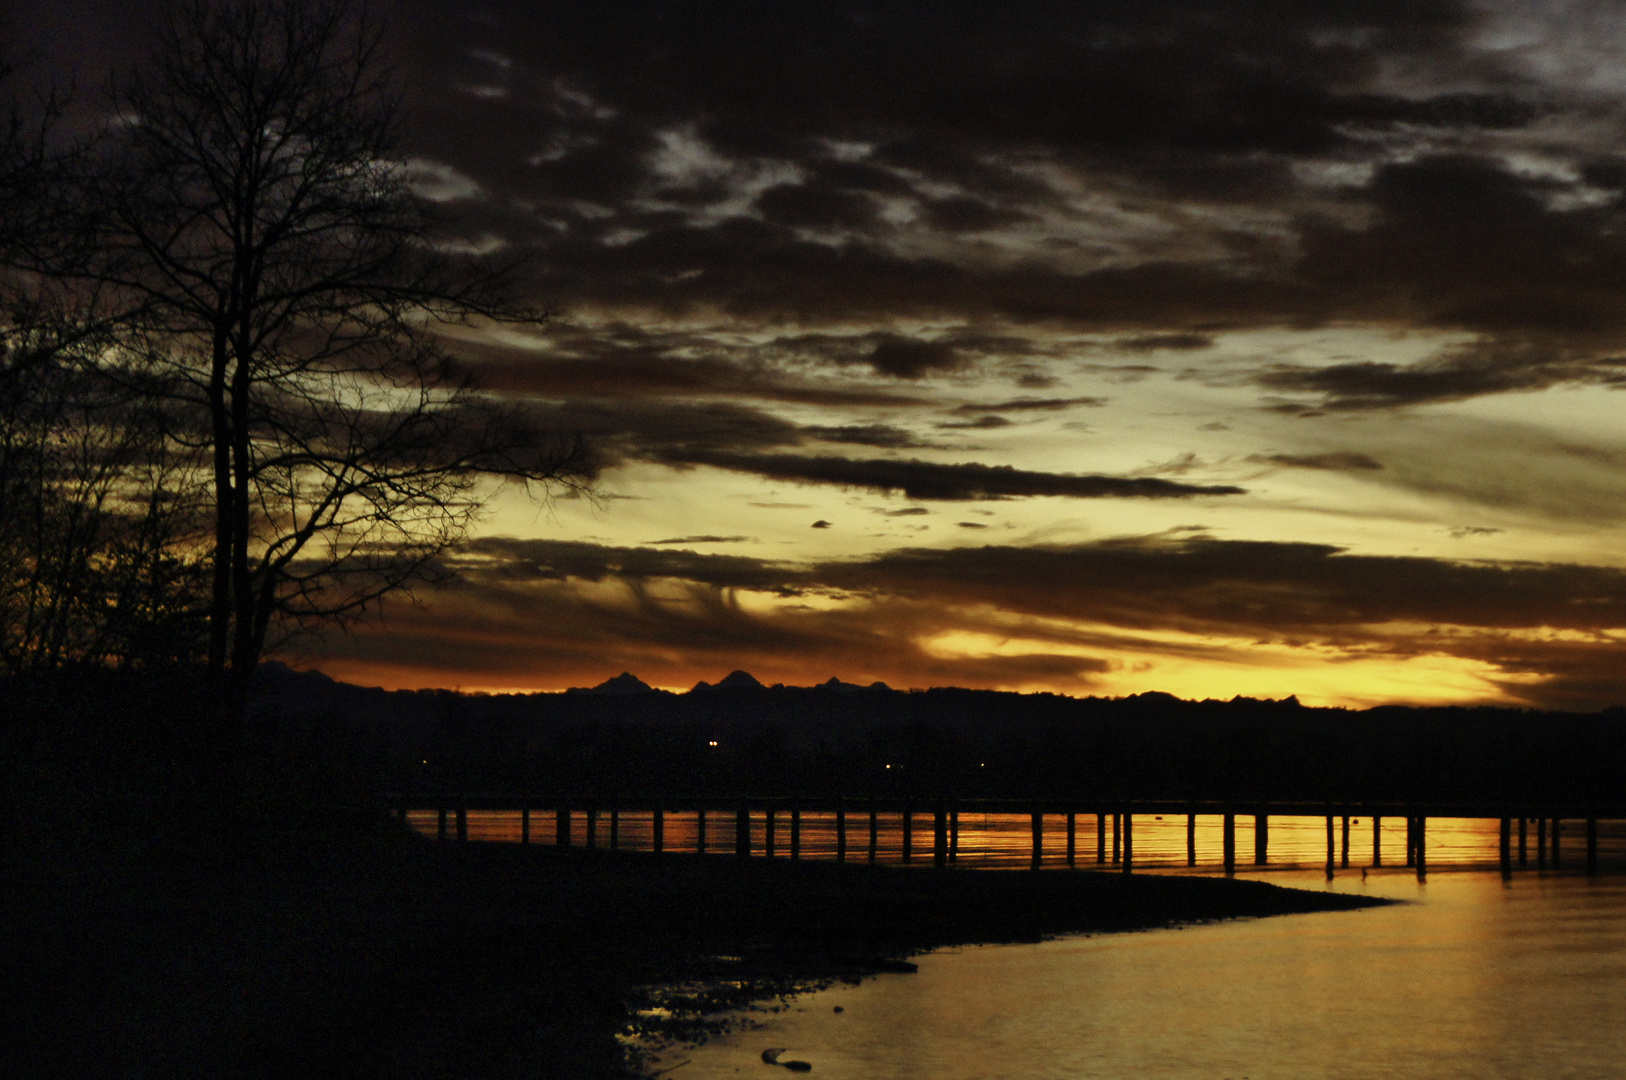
[1469,978]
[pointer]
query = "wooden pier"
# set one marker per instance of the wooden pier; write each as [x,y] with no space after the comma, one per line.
[765,824]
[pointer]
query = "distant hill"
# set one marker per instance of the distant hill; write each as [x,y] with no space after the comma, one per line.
[624,683]
[740,736]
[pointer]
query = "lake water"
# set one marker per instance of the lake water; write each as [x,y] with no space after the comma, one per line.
[1469,978]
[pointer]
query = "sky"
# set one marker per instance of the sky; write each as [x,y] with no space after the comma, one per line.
[1211,348]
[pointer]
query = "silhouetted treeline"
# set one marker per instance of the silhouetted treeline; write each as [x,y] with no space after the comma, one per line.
[942,742]
[227,412]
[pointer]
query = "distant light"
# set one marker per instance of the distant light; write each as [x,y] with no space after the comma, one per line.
[712,743]
[889,766]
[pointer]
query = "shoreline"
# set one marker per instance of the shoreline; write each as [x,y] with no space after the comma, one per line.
[374,952]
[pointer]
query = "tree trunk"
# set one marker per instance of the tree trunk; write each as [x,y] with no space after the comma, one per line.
[220,432]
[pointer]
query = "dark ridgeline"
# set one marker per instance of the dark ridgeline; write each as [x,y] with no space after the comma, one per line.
[740,738]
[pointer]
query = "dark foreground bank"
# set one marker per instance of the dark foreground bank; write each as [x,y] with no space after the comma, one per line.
[367,952]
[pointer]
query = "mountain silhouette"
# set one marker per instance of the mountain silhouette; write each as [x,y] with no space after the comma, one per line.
[624,683]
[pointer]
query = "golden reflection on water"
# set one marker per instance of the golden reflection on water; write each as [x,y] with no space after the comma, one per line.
[1006,840]
[1471,979]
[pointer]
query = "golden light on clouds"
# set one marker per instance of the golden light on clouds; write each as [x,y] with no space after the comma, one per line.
[1182,382]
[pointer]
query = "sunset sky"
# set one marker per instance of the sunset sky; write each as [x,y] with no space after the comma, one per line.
[1213,348]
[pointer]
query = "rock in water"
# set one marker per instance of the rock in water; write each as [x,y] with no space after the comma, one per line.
[771,1057]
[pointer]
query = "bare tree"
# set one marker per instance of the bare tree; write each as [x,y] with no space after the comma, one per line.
[97,528]
[283,287]
[56,471]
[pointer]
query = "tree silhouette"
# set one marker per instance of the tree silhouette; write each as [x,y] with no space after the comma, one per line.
[91,566]
[281,285]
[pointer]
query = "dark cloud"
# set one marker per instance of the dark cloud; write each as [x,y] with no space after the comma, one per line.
[625,361]
[680,163]
[513,560]
[1143,343]
[900,356]
[988,420]
[1455,376]
[801,205]
[517,603]
[1229,78]
[1467,244]
[508,625]
[1250,587]
[885,436]
[1032,405]
[929,480]
[907,358]
[704,540]
[758,270]
[766,165]
[1336,461]
[665,431]
[965,214]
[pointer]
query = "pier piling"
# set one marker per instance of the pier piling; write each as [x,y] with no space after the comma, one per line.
[742,831]
[1129,843]
[795,832]
[1377,842]
[657,840]
[1191,838]
[1261,838]
[1037,819]
[841,832]
[1072,840]
[1230,844]
[561,827]
[1100,839]
[1343,859]
[940,837]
